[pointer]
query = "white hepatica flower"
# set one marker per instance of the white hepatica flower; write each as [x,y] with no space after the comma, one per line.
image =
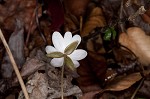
[64,51]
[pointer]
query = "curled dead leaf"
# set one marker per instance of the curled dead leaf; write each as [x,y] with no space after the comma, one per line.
[95,19]
[96,44]
[69,24]
[96,11]
[138,42]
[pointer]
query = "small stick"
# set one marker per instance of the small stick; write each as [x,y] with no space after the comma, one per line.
[14,65]
[31,25]
[81,23]
[137,89]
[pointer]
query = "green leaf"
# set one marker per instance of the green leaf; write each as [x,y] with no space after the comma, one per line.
[114,33]
[110,33]
[55,55]
[107,35]
[71,47]
[69,63]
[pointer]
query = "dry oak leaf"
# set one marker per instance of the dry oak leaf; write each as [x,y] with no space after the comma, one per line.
[118,84]
[123,82]
[138,42]
[95,19]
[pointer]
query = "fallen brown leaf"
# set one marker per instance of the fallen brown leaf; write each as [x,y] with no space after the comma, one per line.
[18,9]
[138,42]
[92,73]
[89,95]
[124,82]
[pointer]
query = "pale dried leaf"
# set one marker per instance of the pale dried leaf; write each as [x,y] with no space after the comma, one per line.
[31,66]
[138,42]
[33,63]
[16,44]
[37,87]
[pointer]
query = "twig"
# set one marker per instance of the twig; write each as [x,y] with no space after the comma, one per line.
[14,65]
[37,22]
[62,76]
[121,16]
[137,89]
[141,10]
[81,23]
[31,25]
[128,3]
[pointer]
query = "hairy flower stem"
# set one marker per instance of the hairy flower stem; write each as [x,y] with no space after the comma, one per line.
[62,87]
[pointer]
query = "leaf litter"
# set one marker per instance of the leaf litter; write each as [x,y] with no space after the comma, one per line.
[117,60]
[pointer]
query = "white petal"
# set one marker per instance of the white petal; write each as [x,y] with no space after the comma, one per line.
[76,38]
[57,62]
[58,41]
[67,38]
[78,54]
[76,64]
[50,49]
